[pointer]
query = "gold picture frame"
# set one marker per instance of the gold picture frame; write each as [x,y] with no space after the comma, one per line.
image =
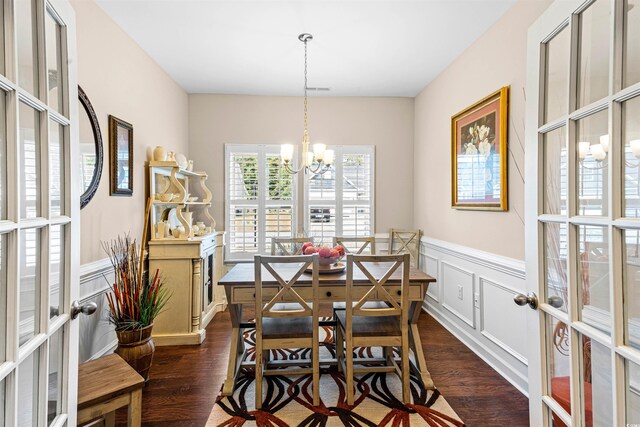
[479,153]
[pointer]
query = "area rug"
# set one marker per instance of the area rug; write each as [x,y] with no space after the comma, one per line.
[287,400]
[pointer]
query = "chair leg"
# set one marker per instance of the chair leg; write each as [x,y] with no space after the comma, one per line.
[406,379]
[258,376]
[315,364]
[349,374]
[339,346]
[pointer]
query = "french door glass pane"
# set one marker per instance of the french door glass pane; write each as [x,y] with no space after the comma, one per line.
[596,382]
[3,297]
[28,390]
[593,276]
[29,162]
[57,273]
[3,155]
[278,224]
[633,393]
[593,51]
[592,146]
[631,284]
[27,46]
[54,62]
[556,74]
[631,57]
[322,224]
[29,287]
[631,139]
[56,168]
[557,337]
[555,172]
[555,244]
[54,391]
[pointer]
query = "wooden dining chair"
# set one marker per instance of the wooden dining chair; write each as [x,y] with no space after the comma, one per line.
[288,245]
[290,325]
[406,241]
[357,245]
[378,319]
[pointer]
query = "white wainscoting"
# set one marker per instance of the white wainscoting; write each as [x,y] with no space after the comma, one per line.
[97,336]
[473,299]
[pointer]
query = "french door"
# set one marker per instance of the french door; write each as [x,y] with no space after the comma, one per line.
[39,213]
[583,213]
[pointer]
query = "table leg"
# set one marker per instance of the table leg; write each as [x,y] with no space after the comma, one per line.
[416,345]
[236,349]
[135,408]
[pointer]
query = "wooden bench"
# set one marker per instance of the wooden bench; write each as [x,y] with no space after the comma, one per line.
[106,384]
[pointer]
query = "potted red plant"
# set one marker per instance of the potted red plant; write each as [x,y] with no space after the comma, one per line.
[134,303]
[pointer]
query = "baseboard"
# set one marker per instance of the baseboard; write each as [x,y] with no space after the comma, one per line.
[195,338]
[217,308]
[489,357]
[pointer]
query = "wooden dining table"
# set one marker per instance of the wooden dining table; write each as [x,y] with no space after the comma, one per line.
[239,287]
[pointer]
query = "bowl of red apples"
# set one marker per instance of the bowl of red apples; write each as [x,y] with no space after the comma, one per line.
[328,256]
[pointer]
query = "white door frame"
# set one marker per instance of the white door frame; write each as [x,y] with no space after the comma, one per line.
[40,345]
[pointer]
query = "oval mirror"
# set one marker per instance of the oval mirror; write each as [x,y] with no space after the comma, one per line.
[90,149]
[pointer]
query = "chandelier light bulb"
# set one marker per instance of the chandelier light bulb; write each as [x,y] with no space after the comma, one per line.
[286,152]
[329,156]
[597,151]
[635,147]
[604,141]
[583,149]
[318,151]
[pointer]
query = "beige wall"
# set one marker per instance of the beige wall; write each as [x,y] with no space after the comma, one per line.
[496,59]
[387,123]
[122,80]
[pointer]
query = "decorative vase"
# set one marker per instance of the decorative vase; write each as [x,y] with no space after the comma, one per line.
[159,154]
[136,347]
[190,165]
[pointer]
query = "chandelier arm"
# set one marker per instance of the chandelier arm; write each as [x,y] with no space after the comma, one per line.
[291,170]
[602,164]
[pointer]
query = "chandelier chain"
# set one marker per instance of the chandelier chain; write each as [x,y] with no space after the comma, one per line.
[305,90]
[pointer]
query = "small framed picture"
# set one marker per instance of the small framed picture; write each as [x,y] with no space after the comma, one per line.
[479,154]
[120,157]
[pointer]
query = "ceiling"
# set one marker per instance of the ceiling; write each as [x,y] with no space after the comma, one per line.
[360,47]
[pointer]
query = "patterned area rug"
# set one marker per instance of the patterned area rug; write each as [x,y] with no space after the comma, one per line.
[288,399]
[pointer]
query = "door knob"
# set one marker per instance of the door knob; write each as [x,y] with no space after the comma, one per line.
[88,309]
[555,301]
[531,299]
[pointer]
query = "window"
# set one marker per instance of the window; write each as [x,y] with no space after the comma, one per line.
[262,198]
[339,202]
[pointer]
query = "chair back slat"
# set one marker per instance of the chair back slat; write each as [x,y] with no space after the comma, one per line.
[356,245]
[397,304]
[286,288]
[406,241]
[289,245]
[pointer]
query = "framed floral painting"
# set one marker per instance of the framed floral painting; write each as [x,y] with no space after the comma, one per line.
[479,154]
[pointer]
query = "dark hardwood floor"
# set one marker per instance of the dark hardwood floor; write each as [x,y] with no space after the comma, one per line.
[184,381]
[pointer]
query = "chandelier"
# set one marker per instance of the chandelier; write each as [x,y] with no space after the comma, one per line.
[599,152]
[319,159]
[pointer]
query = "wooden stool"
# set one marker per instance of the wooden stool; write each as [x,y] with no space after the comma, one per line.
[106,384]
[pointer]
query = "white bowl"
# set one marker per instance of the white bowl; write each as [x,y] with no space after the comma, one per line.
[181,160]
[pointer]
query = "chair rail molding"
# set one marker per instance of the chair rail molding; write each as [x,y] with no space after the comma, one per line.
[473,299]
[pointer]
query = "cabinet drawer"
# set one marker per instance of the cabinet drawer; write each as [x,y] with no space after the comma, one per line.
[414,292]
